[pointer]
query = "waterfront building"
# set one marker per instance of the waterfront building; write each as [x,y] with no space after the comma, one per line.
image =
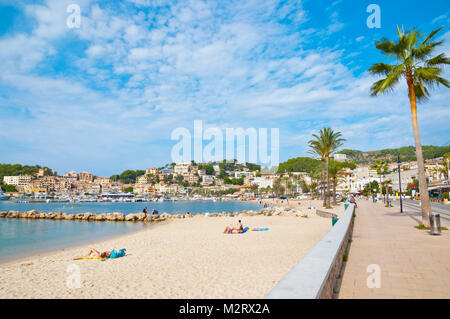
[19,180]
[144,189]
[94,189]
[31,187]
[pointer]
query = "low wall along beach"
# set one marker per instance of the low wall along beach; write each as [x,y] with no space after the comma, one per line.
[316,275]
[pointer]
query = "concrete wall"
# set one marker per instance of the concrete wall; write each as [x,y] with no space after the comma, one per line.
[315,276]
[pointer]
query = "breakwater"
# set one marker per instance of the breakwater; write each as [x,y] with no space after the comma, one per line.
[149,218]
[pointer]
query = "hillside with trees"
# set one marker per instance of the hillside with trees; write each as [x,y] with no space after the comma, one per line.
[18,169]
[406,153]
[299,164]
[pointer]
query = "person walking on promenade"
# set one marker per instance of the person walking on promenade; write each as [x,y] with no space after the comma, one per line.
[353,201]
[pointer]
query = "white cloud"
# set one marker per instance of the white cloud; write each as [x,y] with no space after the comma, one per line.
[139,74]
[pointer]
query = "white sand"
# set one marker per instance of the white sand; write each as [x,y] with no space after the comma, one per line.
[185,258]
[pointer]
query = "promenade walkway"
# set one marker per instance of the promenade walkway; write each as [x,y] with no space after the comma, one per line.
[412,263]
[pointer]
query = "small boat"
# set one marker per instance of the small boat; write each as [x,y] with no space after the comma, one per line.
[3,196]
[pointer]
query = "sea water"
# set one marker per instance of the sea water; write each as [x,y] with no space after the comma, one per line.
[22,237]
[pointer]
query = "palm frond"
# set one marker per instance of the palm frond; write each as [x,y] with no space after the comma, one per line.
[389,47]
[430,36]
[438,60]
[424,52]
[381,68]
[387,84]
[430,76]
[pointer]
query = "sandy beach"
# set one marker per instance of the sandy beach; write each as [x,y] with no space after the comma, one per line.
[182,258]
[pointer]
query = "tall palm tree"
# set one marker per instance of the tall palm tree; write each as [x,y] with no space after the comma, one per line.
[386,184]
[318,149]
[336,173]
[382,169]
[327,142]
[313,187]
[420,70]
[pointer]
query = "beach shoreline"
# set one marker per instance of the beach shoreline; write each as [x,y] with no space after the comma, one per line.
[44,252]
[178,258]
[83,243]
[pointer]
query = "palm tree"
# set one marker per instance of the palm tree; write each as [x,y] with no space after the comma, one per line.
[313,187]
[386,184]
[325,144]
[318,149]
[336,173]
[419,70]
[382,169]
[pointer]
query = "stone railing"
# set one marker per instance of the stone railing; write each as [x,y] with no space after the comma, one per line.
[316,275]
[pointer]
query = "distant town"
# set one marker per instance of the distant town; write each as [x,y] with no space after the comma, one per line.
[293,178]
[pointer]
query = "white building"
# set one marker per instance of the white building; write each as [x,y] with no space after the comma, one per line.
[242,173]
[20,180]
[407,177]
[143,179]
[340,157]
[207,179]
[181,168]
[263,182]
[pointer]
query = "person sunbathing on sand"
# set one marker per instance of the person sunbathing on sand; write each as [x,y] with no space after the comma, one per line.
[94,254]
[239,229]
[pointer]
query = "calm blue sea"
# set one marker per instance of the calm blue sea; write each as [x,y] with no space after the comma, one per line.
[22,237]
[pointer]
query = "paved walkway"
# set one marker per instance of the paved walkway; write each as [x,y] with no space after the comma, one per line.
[413,263]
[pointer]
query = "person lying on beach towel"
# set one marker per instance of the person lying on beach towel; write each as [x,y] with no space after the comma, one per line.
[229,230]
[96,255]
[237,230]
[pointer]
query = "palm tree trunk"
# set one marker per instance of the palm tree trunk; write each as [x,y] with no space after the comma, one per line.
[334,191]
[328,181]
[423,187]
[322,189]
[381,189]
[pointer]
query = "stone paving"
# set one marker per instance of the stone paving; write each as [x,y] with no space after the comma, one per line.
[412,263]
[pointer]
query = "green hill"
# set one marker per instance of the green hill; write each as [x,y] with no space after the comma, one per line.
[406,153]
[18,169]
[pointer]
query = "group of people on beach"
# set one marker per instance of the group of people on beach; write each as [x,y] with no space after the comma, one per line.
[154,212]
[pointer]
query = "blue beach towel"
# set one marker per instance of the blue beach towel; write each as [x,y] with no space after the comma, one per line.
[117,254]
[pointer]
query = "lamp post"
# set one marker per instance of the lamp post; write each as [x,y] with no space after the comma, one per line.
[400,185]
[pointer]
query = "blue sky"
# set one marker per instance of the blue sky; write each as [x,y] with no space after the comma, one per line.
[106,97]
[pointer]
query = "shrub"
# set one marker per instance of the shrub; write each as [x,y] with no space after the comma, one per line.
[445,195]
[422,227]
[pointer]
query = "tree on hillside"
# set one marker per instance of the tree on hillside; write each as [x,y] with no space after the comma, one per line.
[420,71]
